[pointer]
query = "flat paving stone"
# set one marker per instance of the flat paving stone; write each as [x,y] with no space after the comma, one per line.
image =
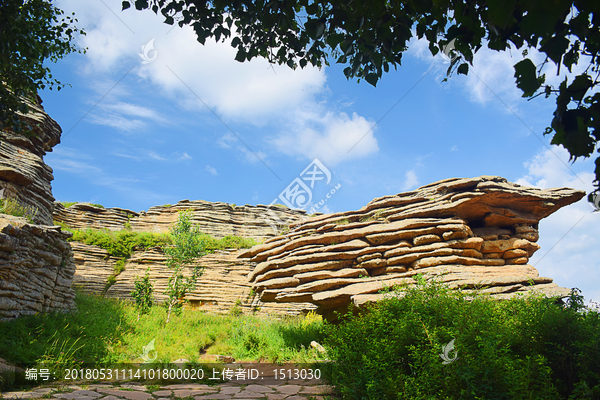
[111,397]
[247,394]
[276,396]
[214,396]
[230,390]
[258,389]
[319,389]
[288,389]
[128,394]
[22,395]
[162,393]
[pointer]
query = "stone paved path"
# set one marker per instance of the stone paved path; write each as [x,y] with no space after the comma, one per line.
[265,388]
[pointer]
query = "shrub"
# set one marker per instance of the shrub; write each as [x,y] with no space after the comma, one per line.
[143,294]
[188,244]
[522,348]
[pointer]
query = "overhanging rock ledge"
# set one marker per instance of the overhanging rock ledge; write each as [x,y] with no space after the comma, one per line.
[468,232]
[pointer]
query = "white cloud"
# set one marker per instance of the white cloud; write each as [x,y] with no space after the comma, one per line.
[251,91]
[569,240]
[332,137]
[185,156]
[411,181]
[211,170]
[454,148]
[66,160]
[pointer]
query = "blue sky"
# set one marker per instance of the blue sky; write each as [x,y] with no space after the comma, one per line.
[193,123]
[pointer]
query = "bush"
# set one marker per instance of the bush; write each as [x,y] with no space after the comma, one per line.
[143,294]
[515,349]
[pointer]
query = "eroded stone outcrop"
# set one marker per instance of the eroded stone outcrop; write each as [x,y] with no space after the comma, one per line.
[217,219]
[36,268]
[224,283]
[222,286]
[24,176]
[36,262]
[470,233]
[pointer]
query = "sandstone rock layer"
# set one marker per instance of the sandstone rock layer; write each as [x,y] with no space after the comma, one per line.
[36,268]
[216,219]
[470,233]
[24,177]
[222,286]
[36,262]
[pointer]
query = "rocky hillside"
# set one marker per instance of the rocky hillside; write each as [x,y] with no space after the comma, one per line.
[469,233]
[36,262]
[224,284]
[216,219]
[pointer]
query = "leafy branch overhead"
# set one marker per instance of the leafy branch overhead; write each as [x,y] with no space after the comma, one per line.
[369,37]
[31,32]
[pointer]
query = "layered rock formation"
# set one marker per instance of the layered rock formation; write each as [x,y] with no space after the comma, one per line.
[469,233]
[223,285]
[36,268]
[216,219]
[23,174]
[36,262]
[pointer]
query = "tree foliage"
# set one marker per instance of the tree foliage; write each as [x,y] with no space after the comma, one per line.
[369,37]
[143,294]
[188,245]
[31,32]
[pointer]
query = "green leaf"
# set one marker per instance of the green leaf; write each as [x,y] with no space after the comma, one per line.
[125,5]
[463,69]
[526,75]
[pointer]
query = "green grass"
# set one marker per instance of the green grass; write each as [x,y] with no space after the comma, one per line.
[12,207]
[106,331]
[123,243]
[68,204]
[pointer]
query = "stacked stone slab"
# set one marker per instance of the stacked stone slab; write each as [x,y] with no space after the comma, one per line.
[24,176]
[36,262]
[222,286]
[470,233]
[217,219]
[36,268]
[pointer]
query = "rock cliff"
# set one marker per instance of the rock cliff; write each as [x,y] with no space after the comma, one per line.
[216,219]
[36,262]
[469,233]
[36,268]
[223,285]
[24,176]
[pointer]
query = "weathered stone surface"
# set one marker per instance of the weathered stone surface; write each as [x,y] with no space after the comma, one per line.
[36,268]
[36,262]
[216,219]
[471,233]
[24,176]
[223,284]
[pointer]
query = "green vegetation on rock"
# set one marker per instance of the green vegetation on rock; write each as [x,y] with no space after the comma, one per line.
[12,207]
[68,204]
